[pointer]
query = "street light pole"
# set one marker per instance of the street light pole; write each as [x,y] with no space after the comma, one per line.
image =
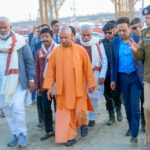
[131,1]
[74,9]
[142,4]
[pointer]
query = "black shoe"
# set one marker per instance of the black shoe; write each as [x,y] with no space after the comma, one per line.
[91,123]
[111,119]
[84,130]
[119,116]
[71,142]
[133,140]
[40,125]
[47,135]
[128,133]
[2,114]
[143,129]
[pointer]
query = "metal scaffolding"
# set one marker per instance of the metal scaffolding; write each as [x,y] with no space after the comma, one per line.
[124,8]
[49,10]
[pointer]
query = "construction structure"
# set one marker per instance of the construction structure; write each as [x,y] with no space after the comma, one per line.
[49,10]
[125,8]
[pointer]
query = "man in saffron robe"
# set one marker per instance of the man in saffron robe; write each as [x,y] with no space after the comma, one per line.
[69,65]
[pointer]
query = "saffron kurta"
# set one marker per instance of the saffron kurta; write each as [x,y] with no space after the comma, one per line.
[71,69]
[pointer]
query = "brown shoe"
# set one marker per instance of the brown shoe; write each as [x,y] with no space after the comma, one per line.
[146,146]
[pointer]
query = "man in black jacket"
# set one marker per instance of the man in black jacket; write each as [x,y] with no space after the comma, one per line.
[113,98]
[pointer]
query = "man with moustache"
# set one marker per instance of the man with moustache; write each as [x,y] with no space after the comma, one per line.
[98,59]
[17,75]
[42,56]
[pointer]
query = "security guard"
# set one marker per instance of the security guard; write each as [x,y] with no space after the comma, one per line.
[141,51]
[113,98]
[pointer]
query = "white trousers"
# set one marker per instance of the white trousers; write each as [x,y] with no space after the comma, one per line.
[92,115]
[15,114]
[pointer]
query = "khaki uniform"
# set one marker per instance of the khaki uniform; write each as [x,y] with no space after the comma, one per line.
[144,54]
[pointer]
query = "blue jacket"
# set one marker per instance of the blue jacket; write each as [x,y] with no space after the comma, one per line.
[30,37]
[26,66]
[35,45]
[114,45]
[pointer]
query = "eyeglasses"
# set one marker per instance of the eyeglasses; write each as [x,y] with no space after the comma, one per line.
[108,32]
[134,28]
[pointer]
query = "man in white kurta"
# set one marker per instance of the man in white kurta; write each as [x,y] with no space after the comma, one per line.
[98,59]
[17,75]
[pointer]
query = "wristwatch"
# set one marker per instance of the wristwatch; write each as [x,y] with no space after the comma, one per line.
[31,80]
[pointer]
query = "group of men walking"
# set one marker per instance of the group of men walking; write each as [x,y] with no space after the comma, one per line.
[75,74]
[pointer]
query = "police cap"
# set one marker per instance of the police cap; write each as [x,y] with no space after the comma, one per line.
[146,10]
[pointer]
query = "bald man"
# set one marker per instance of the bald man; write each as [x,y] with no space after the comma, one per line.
[17,76]
[69,66]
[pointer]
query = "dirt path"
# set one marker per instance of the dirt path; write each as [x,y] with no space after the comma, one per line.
[101,137]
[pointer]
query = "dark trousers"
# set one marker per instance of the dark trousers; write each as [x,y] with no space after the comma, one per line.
[40,108]
[142,102]
[130,88]
[113,98]
[34,95]
[47,112]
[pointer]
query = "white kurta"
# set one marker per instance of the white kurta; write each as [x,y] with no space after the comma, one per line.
[3,59]
[96,62]
[27,97]
[16,113]
[99,90]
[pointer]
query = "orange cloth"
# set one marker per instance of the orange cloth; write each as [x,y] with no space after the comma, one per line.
[66,123]
[71,69]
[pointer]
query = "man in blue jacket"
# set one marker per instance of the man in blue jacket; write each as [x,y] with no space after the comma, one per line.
[128,73]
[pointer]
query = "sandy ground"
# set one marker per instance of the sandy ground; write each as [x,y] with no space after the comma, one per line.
[100,137]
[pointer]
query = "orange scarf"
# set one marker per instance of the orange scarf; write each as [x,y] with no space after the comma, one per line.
[78,73]
[78,70]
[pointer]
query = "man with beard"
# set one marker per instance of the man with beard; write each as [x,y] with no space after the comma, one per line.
[98,60]
[17,76]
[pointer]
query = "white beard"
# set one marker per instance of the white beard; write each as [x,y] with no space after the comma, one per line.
[4,37]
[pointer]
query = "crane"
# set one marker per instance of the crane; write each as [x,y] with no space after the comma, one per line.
[124,8]
[49,10]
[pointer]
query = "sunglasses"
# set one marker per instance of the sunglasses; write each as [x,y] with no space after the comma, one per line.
[108,32]
[134,28]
